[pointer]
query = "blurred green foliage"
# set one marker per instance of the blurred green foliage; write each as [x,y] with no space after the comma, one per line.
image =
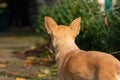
[94,34]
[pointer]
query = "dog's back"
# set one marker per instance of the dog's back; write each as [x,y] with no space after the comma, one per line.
[89,65]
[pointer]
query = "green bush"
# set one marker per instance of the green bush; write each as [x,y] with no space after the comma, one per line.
[94,34]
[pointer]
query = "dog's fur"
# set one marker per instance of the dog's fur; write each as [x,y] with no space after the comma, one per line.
[76,64]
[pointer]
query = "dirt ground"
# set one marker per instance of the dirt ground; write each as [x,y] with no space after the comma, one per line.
[11,67]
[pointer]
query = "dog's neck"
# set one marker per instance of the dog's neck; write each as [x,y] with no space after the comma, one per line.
[62,47]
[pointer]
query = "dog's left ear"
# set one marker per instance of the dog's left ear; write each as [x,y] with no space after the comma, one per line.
[75,26]
[50,25]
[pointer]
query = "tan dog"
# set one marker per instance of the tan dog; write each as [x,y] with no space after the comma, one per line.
[76,64]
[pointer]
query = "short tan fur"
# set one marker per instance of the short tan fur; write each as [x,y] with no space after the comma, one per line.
[76,64]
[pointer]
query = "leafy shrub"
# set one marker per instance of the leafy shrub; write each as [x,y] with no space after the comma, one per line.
[94,34]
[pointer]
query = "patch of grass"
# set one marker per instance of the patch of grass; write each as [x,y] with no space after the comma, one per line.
[44,73]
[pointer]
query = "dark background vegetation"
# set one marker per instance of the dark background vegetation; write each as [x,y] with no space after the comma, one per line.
[99,31]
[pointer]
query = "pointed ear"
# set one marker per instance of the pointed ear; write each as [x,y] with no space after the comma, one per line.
[50,25]
[75,26]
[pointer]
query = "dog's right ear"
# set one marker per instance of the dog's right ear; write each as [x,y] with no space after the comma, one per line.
[50,25]
[75,26]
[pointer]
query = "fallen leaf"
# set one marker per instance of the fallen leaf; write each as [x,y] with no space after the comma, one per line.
[20,79]
[41,75]
[2,65]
